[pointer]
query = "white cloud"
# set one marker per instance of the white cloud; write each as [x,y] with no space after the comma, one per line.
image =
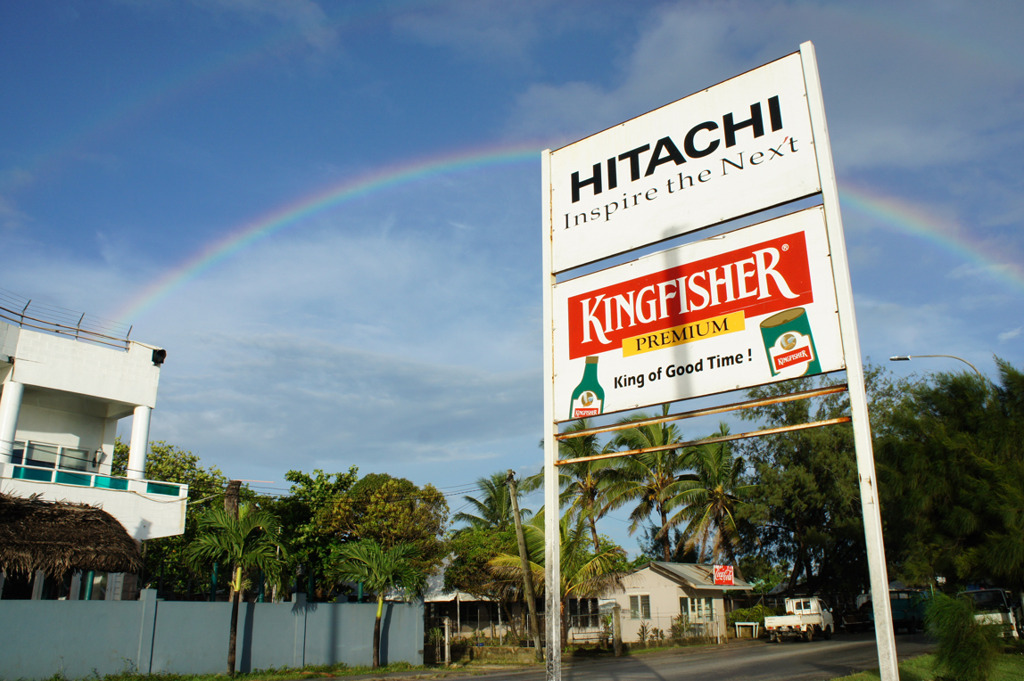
[1012,334]
[907,98]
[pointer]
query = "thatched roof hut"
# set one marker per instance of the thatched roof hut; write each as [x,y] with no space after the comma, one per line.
[61,537]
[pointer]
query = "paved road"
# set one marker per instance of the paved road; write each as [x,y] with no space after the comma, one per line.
[790,661]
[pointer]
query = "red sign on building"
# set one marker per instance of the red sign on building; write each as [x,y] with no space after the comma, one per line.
[724,575]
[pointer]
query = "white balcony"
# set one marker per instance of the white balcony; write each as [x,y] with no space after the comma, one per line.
[147,508]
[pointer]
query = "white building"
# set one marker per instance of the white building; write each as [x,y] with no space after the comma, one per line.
[63,390]
[659,594]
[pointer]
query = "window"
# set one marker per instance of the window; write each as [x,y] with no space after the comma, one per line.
[18,453]
[75,459]
[583,613]
[640,607]
[697,609]
[42,455]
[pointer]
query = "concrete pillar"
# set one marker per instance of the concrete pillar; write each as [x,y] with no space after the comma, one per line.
[139,443]
[75,591]
[10,405]
[38,581]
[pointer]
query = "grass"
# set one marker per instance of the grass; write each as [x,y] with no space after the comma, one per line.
[327,671]
[1007,668]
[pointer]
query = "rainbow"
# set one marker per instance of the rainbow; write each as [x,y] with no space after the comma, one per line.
[906,217]
[291,214]
[899,215]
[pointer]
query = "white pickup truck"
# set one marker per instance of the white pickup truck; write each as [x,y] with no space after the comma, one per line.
[996,606]
[805,618]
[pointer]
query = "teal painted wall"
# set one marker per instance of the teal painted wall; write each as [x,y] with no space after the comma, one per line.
[80,639]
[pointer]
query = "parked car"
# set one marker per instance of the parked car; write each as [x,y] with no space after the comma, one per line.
[996,606]
[805,618]
[861,619]
[907,607]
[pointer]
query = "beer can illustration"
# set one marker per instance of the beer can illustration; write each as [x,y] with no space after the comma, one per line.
[789,344]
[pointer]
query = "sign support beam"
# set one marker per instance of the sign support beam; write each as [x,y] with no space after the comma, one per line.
[884,638]
[552,504]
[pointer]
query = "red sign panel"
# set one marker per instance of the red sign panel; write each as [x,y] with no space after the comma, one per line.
[756,280]
[724,575]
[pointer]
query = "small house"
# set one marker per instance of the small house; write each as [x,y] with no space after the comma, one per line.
[654,598]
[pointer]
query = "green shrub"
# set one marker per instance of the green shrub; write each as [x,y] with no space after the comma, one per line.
[754,614]
[967,649]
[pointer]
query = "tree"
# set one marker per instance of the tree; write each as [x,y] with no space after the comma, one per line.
[586,485]
[650,478]
[166,565]
[305,515]
[709,501]
[951,477]
[470,552]
[249,542]
[380,570]
[806,503]
[393,511]
[967,649]
[471,549]
[493,506]
[584,573]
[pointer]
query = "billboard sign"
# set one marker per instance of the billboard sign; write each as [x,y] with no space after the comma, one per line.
[739,147]
[747,308]
[724,575]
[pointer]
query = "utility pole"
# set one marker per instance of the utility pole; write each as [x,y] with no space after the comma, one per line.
[531,599]
[231,508]
[231,498]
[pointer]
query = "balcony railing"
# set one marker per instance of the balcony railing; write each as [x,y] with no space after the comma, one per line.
[60,322]
[45,462]
[80,479]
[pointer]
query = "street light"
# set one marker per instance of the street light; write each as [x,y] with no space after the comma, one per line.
[907,358]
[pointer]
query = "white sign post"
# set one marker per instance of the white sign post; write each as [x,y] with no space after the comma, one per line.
[762,304]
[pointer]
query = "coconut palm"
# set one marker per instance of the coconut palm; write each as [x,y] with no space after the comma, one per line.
[248,542]
[584,574]
[585,485]
[651,478]
[379,570]
[708,500]
[493,506]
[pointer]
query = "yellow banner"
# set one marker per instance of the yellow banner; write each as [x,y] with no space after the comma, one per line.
[684,333]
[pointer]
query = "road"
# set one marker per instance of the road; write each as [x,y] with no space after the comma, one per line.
[790,661]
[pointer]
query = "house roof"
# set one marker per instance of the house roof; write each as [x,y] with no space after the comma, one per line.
[61,537]
[697,576]
[434,591]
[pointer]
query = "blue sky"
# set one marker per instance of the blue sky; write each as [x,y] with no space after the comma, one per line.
[397,327]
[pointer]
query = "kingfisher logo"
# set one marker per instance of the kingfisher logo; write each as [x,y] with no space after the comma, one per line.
[690,302]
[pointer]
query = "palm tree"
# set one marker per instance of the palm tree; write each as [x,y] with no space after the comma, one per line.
[650,478]
[493,507]
[379,570]
[709,499]
[584,574]
[248,542]
[585,485]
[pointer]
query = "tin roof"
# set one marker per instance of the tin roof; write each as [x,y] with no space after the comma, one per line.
[698,576]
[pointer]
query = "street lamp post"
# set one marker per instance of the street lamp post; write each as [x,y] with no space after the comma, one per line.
[907,358]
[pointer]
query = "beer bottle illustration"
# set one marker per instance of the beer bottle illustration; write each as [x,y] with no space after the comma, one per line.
[588,397]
